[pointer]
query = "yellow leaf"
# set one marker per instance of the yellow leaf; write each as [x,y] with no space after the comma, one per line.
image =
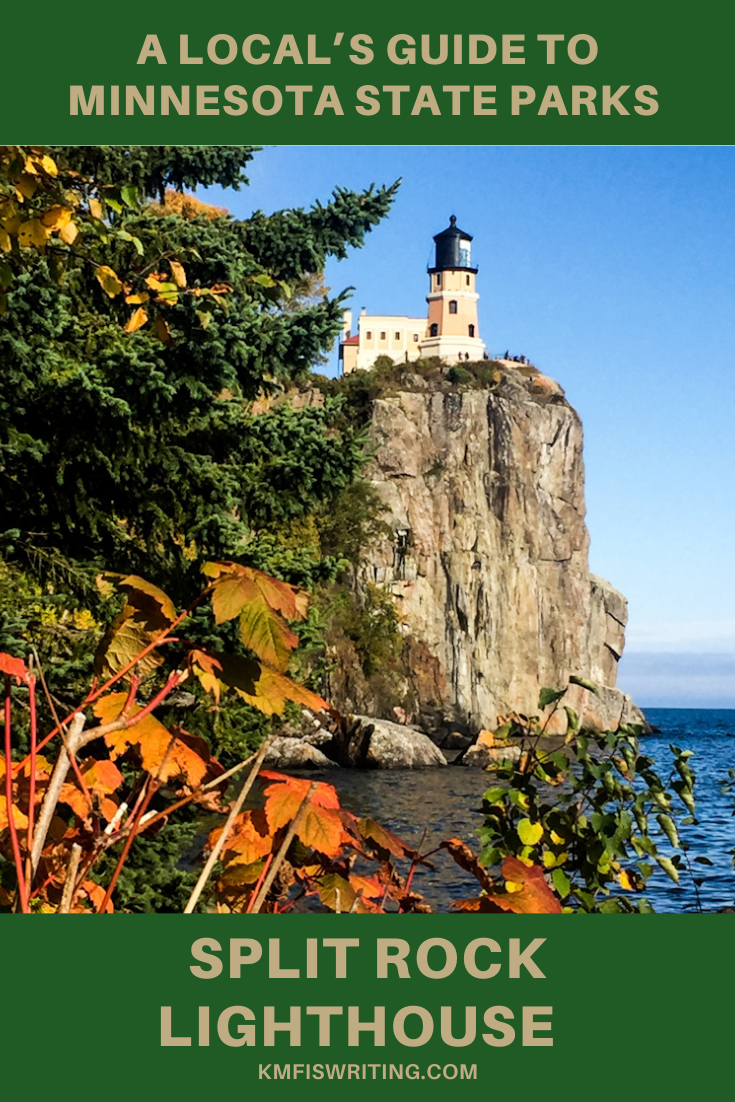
[108,281]
[33,233]
[624,881]
[136,320]
[529,833]
[48,164]
[549,860]
[25,187]
[95,209]
[511,886]
[136,300]
[56,217]
[177,271]
[68,233]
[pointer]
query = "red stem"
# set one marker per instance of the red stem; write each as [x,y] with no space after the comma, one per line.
[22,890]
[261,878]
[126,848]
[32,790]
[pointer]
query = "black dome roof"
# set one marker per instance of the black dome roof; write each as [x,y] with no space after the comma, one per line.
[452,230]
[448,253]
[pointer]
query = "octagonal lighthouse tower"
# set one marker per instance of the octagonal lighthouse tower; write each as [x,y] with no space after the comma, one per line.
[453,332]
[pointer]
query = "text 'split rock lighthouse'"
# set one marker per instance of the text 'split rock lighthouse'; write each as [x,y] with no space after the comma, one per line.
[451,331]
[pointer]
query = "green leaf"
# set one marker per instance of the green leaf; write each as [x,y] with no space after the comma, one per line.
[572,719]
[669,868]
[561,883]
[703,860]
[528,832]
[549,696]
[495,795]
[125,236]
[130,196]
[667,826]
[584,683]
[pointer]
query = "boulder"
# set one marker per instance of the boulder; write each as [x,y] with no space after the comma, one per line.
[379,744]
[482,756]
[296,753]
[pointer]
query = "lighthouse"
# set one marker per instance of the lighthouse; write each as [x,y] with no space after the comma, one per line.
[453,333]
[450,332]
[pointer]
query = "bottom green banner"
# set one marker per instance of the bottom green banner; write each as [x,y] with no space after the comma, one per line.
[404,1005]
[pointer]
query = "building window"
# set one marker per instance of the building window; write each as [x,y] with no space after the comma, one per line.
[382,336]
[397,335]
[467,280]
[453,307]
[369,335]
[415,336]
[472,330]
[438,279]
[434,331]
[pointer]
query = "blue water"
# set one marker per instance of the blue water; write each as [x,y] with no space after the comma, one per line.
[426,806]
[710,733]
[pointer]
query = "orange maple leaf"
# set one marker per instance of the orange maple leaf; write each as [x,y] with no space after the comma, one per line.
[152,740]
[248,841]
[530,895]
[13,667]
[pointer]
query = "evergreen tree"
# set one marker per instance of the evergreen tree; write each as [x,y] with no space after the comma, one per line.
[139,450]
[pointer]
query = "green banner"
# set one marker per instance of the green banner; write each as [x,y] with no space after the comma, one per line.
[393,73]
[400,1006]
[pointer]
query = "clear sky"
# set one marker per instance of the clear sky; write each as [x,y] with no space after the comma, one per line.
[613,270]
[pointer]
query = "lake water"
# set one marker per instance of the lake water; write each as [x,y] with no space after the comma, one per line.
[434,804]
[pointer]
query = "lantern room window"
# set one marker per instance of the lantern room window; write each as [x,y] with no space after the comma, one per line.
[464,253]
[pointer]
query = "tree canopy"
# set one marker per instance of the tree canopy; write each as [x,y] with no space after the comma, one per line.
[132,349]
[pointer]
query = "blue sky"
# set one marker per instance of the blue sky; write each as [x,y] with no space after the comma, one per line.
[613,269]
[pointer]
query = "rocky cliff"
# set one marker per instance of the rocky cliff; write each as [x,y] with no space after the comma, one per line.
[487,557]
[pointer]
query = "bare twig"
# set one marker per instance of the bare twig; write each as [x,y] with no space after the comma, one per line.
[76,739]
[62,731]
[67,896]
[356,902]
[280,856]
[234,812]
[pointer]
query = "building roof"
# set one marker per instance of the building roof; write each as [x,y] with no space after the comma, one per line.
[352,340]
[453,230]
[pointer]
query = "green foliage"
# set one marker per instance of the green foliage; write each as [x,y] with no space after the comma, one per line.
[589,808]
[459,375]
[138,451]
[374,627]
[153,168]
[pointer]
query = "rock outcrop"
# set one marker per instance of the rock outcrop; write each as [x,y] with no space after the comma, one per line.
[487,562]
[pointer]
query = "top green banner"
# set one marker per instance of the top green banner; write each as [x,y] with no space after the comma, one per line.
[395,72]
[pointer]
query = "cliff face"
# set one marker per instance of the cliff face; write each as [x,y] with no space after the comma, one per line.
[488,558]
